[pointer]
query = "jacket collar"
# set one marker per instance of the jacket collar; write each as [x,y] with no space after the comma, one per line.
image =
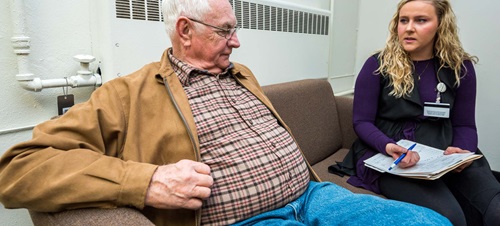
[166,70]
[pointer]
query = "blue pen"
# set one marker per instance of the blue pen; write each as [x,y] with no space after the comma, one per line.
[401,157]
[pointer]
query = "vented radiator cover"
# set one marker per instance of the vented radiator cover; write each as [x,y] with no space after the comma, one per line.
[279,42]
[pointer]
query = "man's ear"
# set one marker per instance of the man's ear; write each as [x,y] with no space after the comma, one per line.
[184,30]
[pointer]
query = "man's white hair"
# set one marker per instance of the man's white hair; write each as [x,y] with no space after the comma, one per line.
[173,9]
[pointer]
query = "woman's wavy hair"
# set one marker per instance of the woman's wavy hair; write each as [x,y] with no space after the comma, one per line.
[396,63]
[173,9]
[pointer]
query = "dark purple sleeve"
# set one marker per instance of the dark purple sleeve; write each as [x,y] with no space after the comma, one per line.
[462,115]
[366,94]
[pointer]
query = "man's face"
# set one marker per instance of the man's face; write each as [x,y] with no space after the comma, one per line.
[209,49]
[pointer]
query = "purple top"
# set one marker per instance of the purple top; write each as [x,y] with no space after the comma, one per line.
[366,98]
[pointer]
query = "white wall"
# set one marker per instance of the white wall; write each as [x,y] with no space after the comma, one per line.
[479,35]
[343,45]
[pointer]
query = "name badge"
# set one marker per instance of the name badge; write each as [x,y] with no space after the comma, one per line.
[439,110]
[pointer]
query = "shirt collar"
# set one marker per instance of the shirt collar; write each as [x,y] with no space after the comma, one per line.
[185,71]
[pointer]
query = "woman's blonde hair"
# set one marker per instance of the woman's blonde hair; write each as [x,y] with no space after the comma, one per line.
[396,63]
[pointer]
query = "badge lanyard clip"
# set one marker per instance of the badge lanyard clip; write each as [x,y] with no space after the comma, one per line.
[437,109]
[441,88]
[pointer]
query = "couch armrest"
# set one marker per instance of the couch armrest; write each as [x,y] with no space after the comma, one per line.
[344,109]
[91,216]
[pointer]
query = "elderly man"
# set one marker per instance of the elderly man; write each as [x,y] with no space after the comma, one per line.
[188,140]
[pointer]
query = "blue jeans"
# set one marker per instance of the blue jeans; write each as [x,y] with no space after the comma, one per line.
[329,204]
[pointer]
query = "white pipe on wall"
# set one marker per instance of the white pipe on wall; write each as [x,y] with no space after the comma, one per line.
[21,45]
[20,42]
[15,130]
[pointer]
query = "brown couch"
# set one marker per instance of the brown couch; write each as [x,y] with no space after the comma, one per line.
[320,121]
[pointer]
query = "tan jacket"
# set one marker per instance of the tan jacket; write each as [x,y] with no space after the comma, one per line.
[103,153]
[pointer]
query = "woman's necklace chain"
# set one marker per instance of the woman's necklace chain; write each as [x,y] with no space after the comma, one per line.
[421,73]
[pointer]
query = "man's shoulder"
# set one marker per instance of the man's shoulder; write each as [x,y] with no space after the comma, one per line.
[242,69]
[144,76]
[152,68]
[148,70]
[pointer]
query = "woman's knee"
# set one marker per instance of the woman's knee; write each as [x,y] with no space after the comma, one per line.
[492,214]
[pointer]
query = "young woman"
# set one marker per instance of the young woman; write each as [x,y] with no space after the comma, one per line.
[423,64]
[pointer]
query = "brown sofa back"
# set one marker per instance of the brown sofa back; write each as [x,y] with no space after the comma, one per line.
[92,216]
[320,121]
[320,124]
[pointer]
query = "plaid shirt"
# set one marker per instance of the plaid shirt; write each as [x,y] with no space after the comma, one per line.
[255,163]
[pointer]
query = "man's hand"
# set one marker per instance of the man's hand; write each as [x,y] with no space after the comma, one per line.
[181,185]
[395,151]
[452,150]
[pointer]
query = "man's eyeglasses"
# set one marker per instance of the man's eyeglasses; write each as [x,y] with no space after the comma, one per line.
[223,32]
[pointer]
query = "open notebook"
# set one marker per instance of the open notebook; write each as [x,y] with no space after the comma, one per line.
[432,165]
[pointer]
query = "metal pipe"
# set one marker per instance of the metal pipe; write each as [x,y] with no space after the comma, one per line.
[20,42]
[15,130]
[26,79]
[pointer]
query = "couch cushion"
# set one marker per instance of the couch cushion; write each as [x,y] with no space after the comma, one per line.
[321,168]
[344,109]
[91,216]
[308,107]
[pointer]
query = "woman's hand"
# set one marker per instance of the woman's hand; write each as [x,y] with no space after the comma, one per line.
[453,150]
[395,151]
